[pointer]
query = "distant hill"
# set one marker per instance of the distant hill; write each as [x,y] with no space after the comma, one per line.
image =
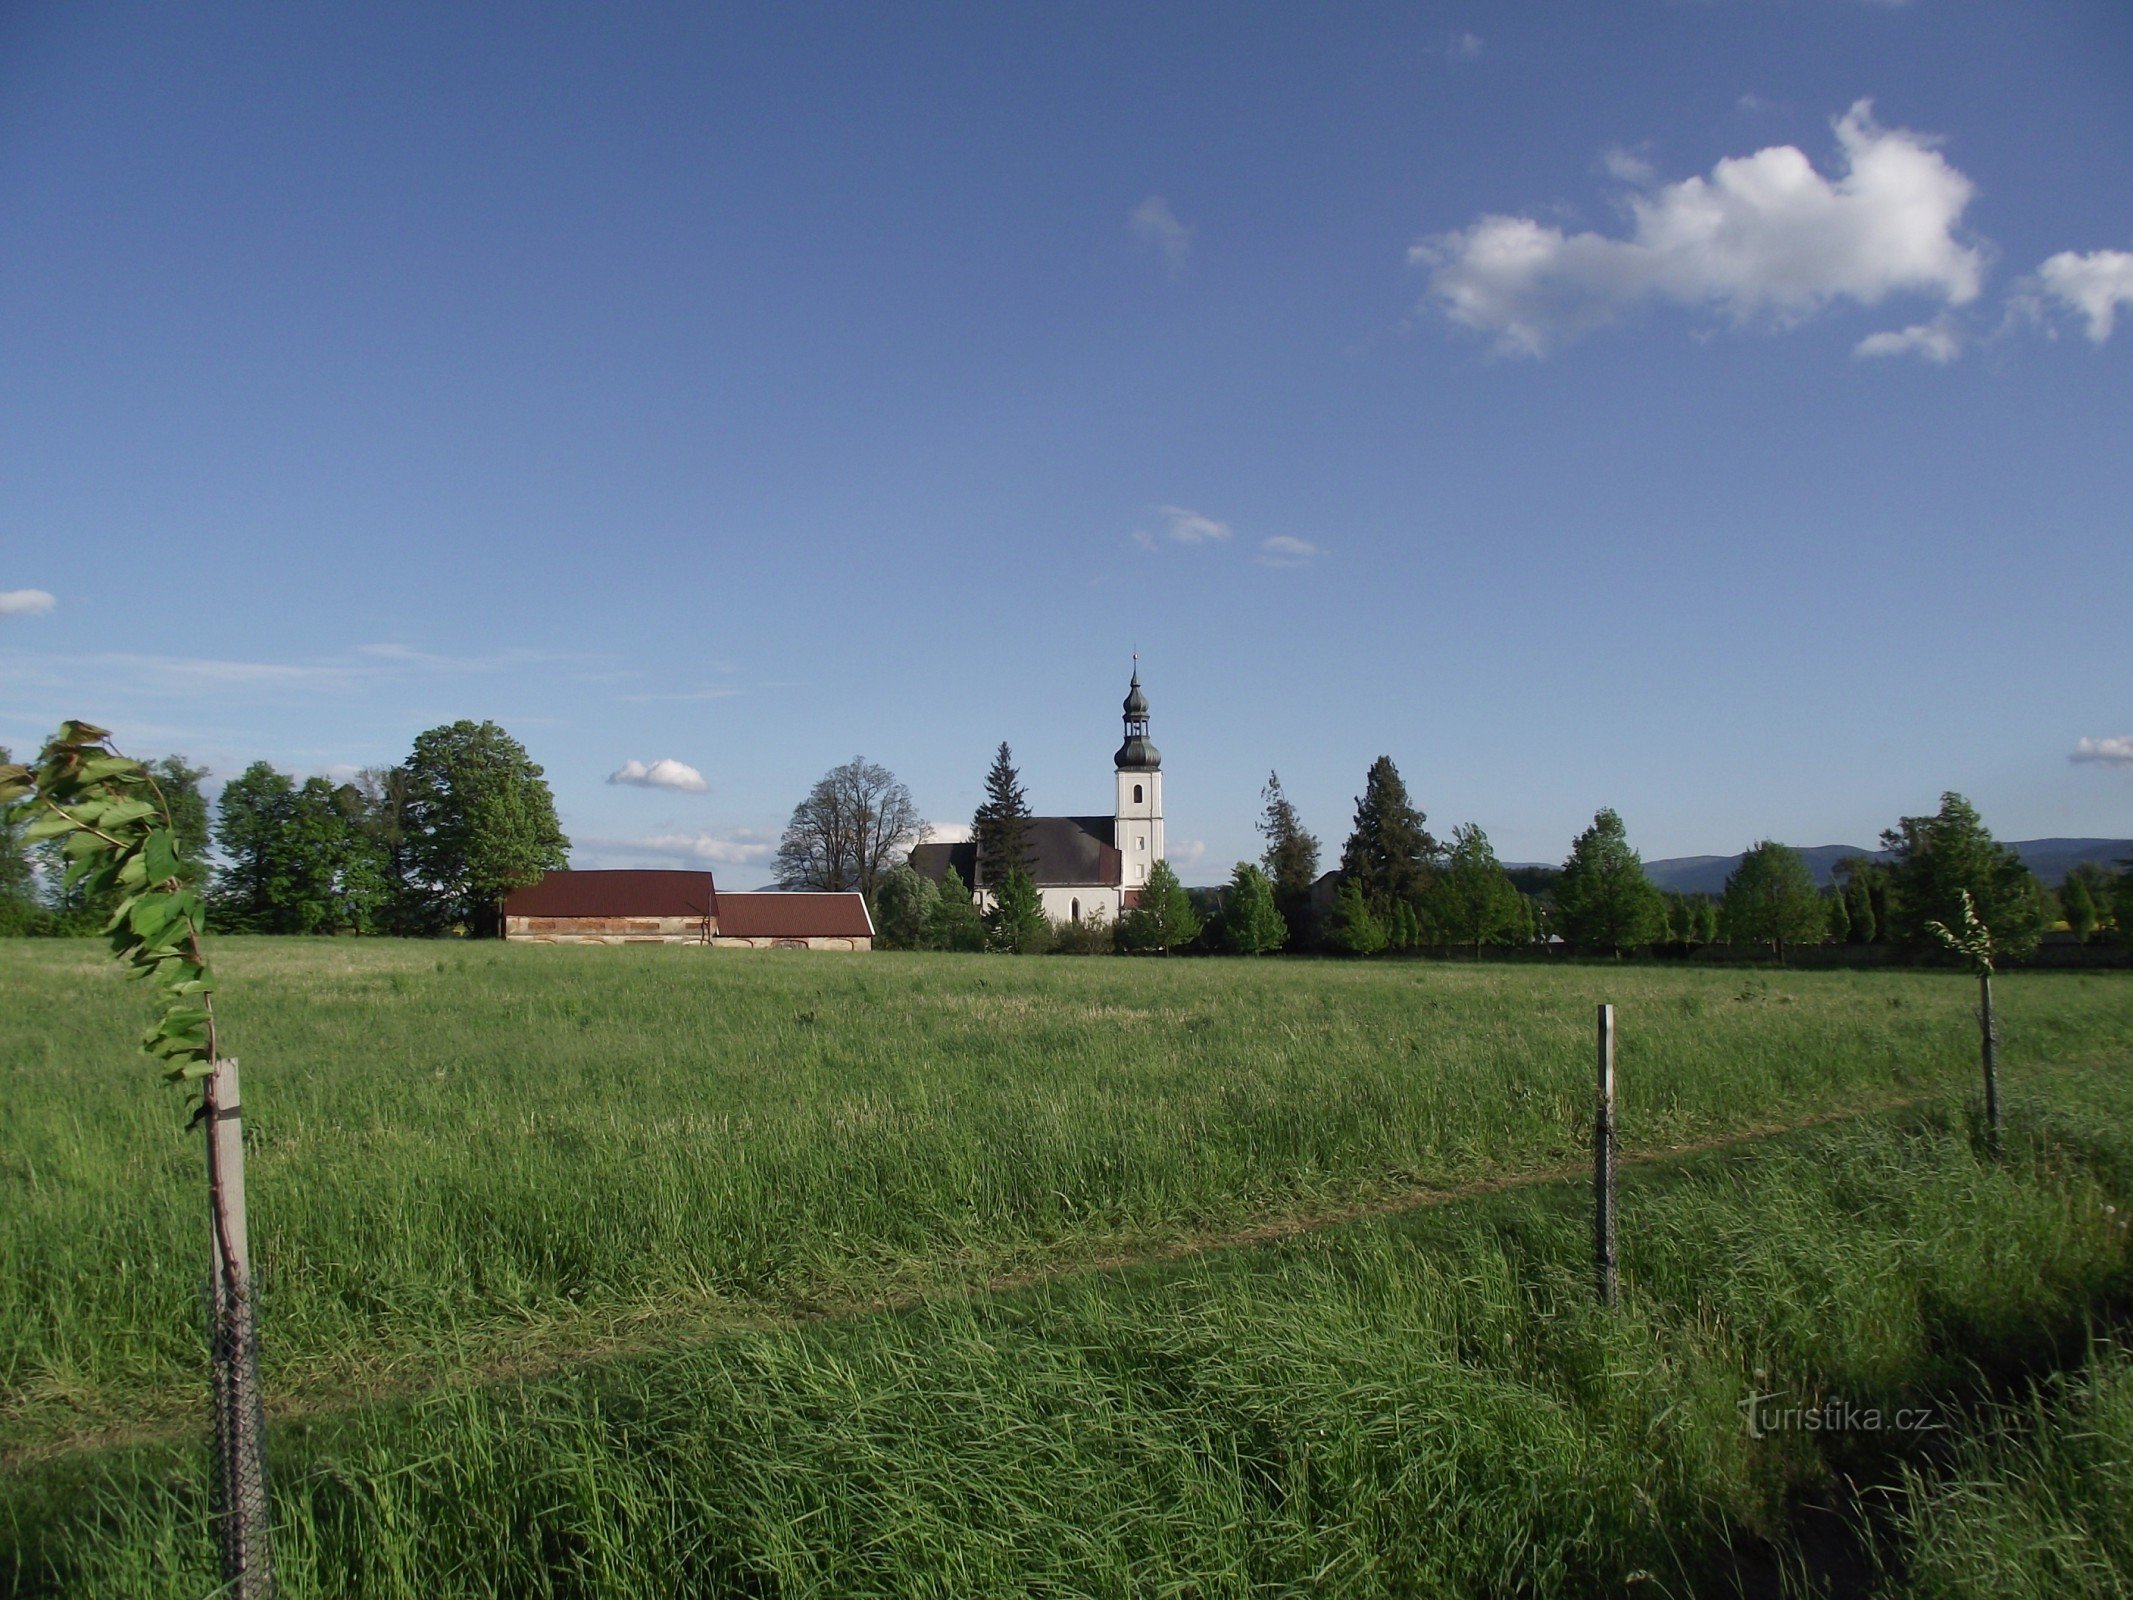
[2049,859]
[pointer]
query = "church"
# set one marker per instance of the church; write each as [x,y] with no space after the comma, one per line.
[1086,868]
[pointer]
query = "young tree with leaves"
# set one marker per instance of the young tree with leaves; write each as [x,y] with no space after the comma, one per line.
[904,908]
[954,923]
[1017,923]
[1604,900]
[1251,922]
[480,822]
[1389,854]
[1839,918]
[1164,920]
[1353,928]
[1771,899]
[1472,902]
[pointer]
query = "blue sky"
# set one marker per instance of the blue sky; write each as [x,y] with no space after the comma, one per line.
[1722,411]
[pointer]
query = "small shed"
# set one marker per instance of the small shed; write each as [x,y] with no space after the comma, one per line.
[795,921]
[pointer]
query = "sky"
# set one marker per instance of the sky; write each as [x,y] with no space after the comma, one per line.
[1718,411]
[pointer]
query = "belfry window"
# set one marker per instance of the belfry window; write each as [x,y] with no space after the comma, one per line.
[1136,794]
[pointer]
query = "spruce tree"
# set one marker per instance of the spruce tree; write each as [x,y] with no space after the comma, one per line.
[1017,922]
[1251,922]
[1001,825]
[953,923]
[1390,853]
[1291,857]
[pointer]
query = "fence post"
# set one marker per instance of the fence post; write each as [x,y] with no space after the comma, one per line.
[242,1513]
[1603,1164]
[1987,1040]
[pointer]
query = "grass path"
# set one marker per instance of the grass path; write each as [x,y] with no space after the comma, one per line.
[693,1326]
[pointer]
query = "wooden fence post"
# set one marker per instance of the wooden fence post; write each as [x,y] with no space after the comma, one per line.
[1987,1040]
[242,1512]
[1603,1164]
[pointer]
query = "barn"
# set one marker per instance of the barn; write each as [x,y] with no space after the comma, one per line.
[668,907]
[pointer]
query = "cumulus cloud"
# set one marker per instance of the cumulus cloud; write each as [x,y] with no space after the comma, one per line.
[1463,47]
[2116,752]
[1156,224]
[1766,236]
[666,773]
[947,833]
[1284,551]
[1186,853]
[25,602]
[2095,285]
[741,847]
[1938,342]
[1188,526]
[1627,166]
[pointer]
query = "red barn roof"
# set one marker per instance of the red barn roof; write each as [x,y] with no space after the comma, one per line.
[794,916]
[615,894]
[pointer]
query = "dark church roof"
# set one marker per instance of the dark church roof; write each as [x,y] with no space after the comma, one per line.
[1062,850]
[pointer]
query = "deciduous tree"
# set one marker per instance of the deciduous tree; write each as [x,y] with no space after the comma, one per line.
[904,908]
[954,923]
[1937,859]
[480,822]
[1473,902]
[1771,899]
[1353,927]
[1164,920]
[1251,922]
[857,822]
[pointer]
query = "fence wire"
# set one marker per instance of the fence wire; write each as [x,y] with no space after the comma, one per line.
[242,1511]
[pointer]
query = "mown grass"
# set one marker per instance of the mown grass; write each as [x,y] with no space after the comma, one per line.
[473,1156]
[1427,1404]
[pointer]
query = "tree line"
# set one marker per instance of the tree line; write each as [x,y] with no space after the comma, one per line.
[429,846]
[1399,887]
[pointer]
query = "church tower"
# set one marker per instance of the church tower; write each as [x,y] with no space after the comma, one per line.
[1138,830]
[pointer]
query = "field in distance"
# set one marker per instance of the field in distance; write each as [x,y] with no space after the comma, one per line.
[487,1160]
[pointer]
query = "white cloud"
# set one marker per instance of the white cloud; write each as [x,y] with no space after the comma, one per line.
[1463,47]
[2105,752]
[1938,342]
[1764,237]
[947,833]
[25,602]
[666,773]
[1627,166]
[741,847]
[1186,852]
[2095,284]
[1284,551]
[1155,223]
[1190,527]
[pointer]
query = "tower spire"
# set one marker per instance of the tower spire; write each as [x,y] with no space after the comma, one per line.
[1137,752]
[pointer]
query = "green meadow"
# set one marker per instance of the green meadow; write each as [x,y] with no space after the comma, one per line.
[644,1271]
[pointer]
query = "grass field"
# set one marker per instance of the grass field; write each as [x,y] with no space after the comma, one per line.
[475,1168]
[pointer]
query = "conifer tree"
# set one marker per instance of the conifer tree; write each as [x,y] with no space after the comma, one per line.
[1840,918]
[1389,855]
[1604,899]
[1017,922]
[2078,906]
[1001,825]
[1354,927]
[1291,858]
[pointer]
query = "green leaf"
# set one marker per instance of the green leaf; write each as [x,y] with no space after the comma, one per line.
[123,814]
[154,913]
[49,826]
[97,768]
[184,1019]
[159,856]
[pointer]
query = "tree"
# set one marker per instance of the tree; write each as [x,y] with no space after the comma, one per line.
[1164,920]
[856,823]
[1604,899]
[1001,824]
[1937,859]
[1354,927]
[1839,918]
[1864,885]
[1771,899]
[2079,908]
[256,887]
[18,880]
[1472,902]
[954,923]
[480,822]
[1389,854]
[2122,906]
[383,793]
[1251,922]
[904,907]
[1017,923]
[1291,858]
